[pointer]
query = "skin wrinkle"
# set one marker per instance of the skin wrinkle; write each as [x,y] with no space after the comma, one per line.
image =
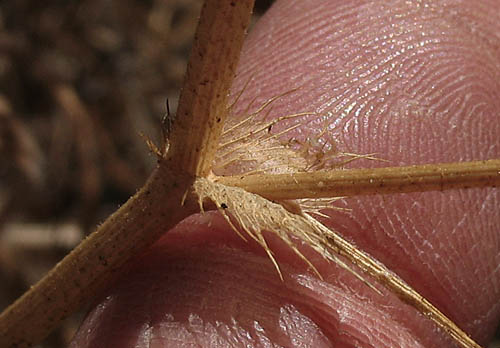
[410,251]
[391,232]
[360,329]
[268,294]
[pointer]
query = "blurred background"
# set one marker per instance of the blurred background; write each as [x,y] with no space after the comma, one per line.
[79,82]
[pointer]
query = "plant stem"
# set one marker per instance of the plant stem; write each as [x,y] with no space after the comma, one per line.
[355,182]
[202,105]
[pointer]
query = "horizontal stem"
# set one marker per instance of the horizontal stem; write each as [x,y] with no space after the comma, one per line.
[84,273]
[354,182]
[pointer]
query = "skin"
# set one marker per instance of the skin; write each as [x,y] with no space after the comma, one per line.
[414,83]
